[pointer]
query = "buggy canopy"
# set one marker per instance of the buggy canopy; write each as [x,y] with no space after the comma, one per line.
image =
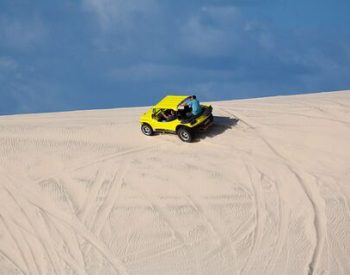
[171,102]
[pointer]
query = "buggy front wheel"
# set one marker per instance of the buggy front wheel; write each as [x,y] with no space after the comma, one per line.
[146,129]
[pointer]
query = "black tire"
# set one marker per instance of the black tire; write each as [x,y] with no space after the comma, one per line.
[147,129]
[184,134]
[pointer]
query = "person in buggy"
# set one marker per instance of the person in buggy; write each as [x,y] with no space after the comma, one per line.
[168,115]
[194,105]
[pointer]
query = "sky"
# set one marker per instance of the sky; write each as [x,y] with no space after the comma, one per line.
[93,54]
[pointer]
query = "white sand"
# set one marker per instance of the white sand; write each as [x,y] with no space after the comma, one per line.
[87,193]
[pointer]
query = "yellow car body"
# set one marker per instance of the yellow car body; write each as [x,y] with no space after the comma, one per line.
[153,122]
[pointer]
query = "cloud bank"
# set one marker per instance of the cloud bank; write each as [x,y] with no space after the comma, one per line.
[103,53]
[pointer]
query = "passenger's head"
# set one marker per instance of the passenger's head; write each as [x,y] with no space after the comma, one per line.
[193,97]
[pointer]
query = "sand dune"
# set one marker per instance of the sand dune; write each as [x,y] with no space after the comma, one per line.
[265,191]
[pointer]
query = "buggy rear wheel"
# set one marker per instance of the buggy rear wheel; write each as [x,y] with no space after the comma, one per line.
[184,134]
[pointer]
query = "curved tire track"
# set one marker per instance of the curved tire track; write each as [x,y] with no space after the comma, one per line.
[319,219]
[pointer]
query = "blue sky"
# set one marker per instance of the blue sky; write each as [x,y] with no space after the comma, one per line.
[88,54]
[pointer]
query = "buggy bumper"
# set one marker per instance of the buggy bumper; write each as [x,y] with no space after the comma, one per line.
[206,123]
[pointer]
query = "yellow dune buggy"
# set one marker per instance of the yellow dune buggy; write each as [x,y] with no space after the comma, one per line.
[172,115]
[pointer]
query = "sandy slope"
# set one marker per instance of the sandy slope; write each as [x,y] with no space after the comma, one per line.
[266,192]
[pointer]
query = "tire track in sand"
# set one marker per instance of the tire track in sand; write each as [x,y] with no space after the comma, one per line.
[113,156]
[71,221]
[25,267]
[56,190]
[320,222]
[223,240]
[43,237]
[282,230]
[338,214]
[100,213]
[260,218]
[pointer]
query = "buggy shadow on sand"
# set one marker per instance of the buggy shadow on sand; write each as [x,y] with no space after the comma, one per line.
[220,125]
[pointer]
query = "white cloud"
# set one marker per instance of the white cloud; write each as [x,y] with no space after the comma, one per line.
[222,15]
[118,13]
[266,40]
[169,73]
[26,91]
[35,95]
[260,33]
[143,71]
[213,31]
[7,64]
[9,69]
[22,34]
[205,40]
